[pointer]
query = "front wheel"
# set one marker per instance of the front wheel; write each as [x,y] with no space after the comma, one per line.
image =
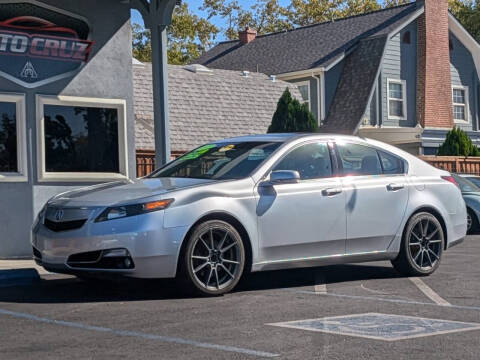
[214,258]
[422,246]
[472,222]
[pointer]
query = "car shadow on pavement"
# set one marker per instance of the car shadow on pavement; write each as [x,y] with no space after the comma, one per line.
[61,289]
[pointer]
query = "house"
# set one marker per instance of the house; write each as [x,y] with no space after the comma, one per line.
[404,75]
[206,104]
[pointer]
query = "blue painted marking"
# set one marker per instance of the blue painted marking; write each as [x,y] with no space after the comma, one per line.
[381,326]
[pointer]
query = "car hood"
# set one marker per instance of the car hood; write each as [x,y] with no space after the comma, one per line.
[123,191]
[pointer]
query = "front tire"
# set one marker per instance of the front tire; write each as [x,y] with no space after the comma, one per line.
[422,246]
[214,258]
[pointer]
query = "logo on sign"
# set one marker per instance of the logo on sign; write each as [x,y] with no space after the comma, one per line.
[36,50]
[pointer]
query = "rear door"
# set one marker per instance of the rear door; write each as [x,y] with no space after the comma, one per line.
[376,193]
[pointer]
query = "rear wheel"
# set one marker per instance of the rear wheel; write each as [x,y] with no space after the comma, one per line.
[422,246]
[214,258]
[472,222]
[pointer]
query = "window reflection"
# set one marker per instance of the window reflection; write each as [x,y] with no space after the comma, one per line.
[81,139]
[8,137]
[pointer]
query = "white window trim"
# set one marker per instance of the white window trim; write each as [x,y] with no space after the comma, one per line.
[120,105]
[309,102]
[404,100]
[22,174]
[466,105]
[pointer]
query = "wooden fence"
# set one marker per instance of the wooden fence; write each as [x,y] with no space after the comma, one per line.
[455,164]
[146,161]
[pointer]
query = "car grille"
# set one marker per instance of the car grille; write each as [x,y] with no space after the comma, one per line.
[64,225]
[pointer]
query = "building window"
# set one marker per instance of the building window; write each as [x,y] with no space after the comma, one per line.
[407,38]
[460,103]
[81,139]
[13,146]
[304,88]
[397,99]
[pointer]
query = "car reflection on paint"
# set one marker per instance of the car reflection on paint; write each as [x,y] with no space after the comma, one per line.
[257,203]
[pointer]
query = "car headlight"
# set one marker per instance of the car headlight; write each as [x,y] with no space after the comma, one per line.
[118,212]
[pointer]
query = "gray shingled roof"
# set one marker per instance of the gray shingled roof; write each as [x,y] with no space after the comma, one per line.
[303,48]
[206,107]
[355,86]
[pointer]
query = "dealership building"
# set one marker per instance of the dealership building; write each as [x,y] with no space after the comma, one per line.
[66,101]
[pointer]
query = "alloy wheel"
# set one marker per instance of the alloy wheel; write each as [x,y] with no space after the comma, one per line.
[425,243]
[469,222]
[216,260]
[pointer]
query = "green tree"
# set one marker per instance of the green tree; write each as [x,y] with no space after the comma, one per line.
[355,7]
[189,36]
[392,3]
[468,13]
[458,143]
[291,116]
[265,16]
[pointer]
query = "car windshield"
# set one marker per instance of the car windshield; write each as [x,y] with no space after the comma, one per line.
[474,179]
[466,185]
[219,161]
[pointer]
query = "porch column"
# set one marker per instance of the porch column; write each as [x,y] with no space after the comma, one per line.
[157,15]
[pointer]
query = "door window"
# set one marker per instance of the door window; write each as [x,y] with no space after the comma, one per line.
[359,160]
[391,165]
[312,161]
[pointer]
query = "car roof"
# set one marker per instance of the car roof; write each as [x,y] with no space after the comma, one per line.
[283,137]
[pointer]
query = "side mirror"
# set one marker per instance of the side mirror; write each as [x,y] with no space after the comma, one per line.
[284,177]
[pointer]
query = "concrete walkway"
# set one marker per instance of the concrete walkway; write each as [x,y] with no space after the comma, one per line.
[21,265]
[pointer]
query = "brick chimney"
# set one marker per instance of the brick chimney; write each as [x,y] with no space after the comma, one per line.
[247,36]
[434,84]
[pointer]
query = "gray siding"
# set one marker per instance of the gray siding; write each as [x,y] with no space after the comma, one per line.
[332,78]
[400,63]
[314,103]
[108,74]
[464,74]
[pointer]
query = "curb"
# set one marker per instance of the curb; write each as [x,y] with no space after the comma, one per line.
[18,277]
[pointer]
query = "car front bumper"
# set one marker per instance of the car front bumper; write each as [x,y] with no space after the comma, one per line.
[152,248]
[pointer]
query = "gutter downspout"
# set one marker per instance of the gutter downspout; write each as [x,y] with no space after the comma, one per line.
[320,79]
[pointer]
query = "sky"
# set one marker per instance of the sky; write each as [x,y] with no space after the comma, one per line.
[194,7]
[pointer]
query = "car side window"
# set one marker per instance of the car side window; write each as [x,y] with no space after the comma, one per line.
[359,160]
[312,161]
[391,165]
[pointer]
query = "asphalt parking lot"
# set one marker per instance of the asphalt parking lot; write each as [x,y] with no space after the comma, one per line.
[62,317]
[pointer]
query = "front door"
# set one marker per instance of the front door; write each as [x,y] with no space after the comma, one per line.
[376,193]
[304,220]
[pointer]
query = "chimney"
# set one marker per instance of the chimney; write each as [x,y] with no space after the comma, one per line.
[434,84]
[247,36]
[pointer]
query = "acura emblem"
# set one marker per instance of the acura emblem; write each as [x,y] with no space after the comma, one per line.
[59,215]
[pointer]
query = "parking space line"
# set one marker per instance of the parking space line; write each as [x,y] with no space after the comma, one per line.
[166,339]
[397,301]
[428,291]
[320,283]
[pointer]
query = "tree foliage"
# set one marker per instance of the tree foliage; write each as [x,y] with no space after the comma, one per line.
[458,143]
[188,37]
[292,116]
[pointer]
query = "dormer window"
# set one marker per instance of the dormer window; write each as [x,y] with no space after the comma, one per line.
[407,38]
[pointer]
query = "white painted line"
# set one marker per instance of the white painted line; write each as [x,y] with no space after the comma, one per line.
[427,290]
[320,283]
[396,301]
[142,335]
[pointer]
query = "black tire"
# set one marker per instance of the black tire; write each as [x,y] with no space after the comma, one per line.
[473,229]
[423,259]
[216,276]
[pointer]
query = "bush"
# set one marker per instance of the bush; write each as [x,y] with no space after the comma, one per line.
[458,143]
[292,116]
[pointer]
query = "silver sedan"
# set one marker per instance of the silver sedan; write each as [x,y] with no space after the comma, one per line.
[257,203]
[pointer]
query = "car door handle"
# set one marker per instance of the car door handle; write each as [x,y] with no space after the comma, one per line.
[331,192]
[395,187]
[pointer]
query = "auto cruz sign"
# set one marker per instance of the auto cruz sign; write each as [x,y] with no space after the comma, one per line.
[41,46]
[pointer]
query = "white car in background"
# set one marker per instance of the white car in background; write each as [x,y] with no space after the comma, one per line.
[257,203]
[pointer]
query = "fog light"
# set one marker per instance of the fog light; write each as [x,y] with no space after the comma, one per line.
[127,262]
[115,253]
